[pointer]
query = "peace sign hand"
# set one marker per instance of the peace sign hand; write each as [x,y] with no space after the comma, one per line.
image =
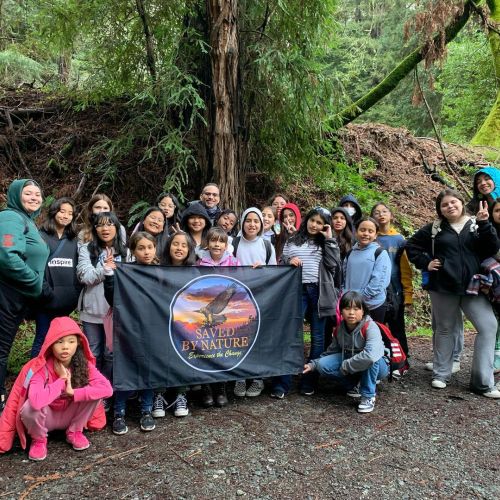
[482,213]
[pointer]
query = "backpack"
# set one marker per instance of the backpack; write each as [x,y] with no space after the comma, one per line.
[391,297]
[267,244]
[394,353]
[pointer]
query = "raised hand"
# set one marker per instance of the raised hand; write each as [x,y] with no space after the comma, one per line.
[327,231]
[109,260]
[482,213]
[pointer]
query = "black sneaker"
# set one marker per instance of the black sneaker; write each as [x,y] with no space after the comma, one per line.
[207,397]
[220,395]
[119,425]
[278,393]
[147,422]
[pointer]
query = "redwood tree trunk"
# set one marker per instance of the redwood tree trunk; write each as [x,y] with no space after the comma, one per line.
[225,127]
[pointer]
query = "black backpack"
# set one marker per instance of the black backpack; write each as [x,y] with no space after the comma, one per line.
[267,244]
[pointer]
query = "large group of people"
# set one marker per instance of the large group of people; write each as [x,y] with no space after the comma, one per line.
[356,277]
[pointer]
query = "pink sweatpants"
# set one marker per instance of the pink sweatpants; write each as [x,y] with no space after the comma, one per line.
[39,422]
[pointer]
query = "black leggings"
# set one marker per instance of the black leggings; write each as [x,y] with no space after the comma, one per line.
[13,308]
[378,314]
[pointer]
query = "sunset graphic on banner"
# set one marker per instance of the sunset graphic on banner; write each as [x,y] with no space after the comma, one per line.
[214,322]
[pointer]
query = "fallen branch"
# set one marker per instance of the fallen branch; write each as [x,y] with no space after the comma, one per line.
[55,477]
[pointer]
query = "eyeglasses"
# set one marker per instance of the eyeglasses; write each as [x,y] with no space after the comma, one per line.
[104,224]
[156,219]
[323,211]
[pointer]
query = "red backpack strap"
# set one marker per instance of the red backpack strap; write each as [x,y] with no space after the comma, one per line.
[336,331]
[364,328]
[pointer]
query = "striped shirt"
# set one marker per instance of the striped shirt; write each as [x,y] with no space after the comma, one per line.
[310,254]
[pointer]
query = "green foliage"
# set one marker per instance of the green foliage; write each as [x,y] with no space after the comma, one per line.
[467,86]
[21,348]
[16,68]
[137,211]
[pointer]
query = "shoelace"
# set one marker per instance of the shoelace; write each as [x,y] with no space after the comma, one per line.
[181,401]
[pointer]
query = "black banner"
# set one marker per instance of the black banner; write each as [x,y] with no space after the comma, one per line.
[175,326]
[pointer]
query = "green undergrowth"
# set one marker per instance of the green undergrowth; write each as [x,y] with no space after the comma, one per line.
[21,349]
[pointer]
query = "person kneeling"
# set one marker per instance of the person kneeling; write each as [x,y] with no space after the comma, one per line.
[356,354]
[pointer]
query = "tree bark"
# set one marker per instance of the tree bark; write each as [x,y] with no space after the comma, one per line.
[225,127]
[489,132]
[390,82]
[150,54]
[64,66]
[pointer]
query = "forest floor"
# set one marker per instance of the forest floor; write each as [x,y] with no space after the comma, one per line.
[418,443]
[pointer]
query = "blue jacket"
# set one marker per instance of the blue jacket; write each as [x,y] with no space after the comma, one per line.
[494,173]
[367,275]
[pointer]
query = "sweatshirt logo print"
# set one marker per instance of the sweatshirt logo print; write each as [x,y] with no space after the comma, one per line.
[8,240]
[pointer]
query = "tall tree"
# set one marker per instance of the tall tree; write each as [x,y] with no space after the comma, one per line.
[226,87]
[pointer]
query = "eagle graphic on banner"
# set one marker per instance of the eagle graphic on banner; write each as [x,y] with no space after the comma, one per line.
[213,309]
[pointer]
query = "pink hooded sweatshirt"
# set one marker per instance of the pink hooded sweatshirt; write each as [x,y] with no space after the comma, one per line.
[47,387]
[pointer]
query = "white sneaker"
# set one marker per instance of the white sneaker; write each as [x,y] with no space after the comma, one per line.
[158,406]
[493,394]
[240,388]
[438,384]
[255,389]
[181,406]
[455,369]
[366,405]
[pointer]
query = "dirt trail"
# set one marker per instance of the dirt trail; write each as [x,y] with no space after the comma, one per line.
[418,443]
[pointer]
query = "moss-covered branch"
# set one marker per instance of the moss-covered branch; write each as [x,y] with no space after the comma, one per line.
[489,132]
[390,82]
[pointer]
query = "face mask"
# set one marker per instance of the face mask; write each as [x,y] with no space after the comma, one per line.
[350,210]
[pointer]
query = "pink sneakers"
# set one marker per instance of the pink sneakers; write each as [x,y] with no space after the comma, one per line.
[77,440]
[38,450]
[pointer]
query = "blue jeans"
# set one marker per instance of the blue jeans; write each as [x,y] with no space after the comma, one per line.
[121,397]
[330,367]
[310,297]
[97,342]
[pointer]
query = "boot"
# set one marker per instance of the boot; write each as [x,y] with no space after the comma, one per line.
[220,394]
[207,398]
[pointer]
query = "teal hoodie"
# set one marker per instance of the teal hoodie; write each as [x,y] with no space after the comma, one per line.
[23,252]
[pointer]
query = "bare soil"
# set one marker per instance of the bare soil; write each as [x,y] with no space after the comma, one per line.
[418,443]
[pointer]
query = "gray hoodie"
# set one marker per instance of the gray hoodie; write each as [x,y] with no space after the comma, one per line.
[362,351]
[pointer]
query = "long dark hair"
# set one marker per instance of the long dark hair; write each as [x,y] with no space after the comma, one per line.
[79,368]
[161,238]
[190,260]
[302,236]
[345,238]
[88,216]
[178,207]
[49,226]
[95,247]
